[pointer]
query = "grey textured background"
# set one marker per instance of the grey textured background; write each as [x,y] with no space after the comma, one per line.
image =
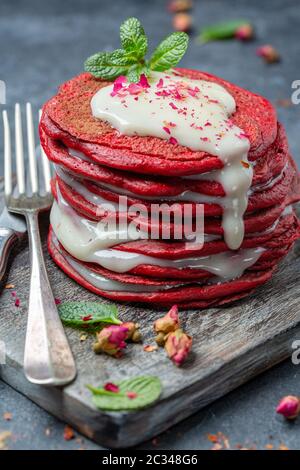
[44,43]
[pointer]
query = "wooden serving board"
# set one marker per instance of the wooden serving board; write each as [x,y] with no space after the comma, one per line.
[231,345]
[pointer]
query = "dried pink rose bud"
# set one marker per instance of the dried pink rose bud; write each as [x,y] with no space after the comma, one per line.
[160,339]
[178,346]
[268,53]
[111,340]
[168,323]
[289,407]
[244,32]
[182,22]
[133,333]
[175,6]
[110,387]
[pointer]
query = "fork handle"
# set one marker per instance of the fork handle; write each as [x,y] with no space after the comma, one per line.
[8,238]
[48,358]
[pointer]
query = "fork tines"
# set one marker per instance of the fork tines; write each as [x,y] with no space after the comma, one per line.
[34,187]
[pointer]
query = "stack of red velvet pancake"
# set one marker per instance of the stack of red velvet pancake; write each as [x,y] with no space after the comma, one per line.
[95,164]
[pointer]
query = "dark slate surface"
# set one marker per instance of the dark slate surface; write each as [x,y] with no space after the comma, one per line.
[44,43]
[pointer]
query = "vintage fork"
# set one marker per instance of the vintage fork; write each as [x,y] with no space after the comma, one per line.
[48,358]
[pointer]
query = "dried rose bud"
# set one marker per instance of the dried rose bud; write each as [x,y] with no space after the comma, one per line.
[178,346]
[160,339]
[289,407]
[175,6]
[182,22]
[268,53]
[168,323]
[244,32]
[133,333]
[111,340]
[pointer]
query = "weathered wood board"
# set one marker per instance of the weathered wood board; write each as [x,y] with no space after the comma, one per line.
[231,345]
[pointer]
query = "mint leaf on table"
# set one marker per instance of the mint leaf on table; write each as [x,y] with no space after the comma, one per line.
[133,38]
[169,52]
[109,65]
[130,60]
[146,388]
[88,315]
[219,31]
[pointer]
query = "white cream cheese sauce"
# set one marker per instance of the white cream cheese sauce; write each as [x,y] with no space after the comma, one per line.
[196,114]
[103,283]
[89,241]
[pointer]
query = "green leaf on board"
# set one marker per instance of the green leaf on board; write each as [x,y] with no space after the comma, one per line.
[146,388]
[219,31]
[90,316]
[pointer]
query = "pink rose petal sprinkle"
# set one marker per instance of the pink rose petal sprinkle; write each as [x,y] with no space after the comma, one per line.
[111,387]
[143,81]
[163,93]
[134,89]
[173,141]
[87,318]
[173,106]
[131,395]
[193,91]
[118,85]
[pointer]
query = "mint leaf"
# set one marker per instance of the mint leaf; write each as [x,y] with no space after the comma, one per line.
[147,388]
[135,72]
[219,31]
[133,38]
[109,65]
[90,315]
[169,52]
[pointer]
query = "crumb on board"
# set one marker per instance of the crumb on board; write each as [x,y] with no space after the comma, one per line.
[150,348]
[7,416]
[68,433]
[4,436]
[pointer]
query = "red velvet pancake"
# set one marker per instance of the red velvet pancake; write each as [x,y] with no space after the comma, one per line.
[283,192]
[266,169]
[275,250]
[287,226]
[74,125]
[189,296]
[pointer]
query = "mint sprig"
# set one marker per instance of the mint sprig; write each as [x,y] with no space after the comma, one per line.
[130,60]
[147,389]
[88,315]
